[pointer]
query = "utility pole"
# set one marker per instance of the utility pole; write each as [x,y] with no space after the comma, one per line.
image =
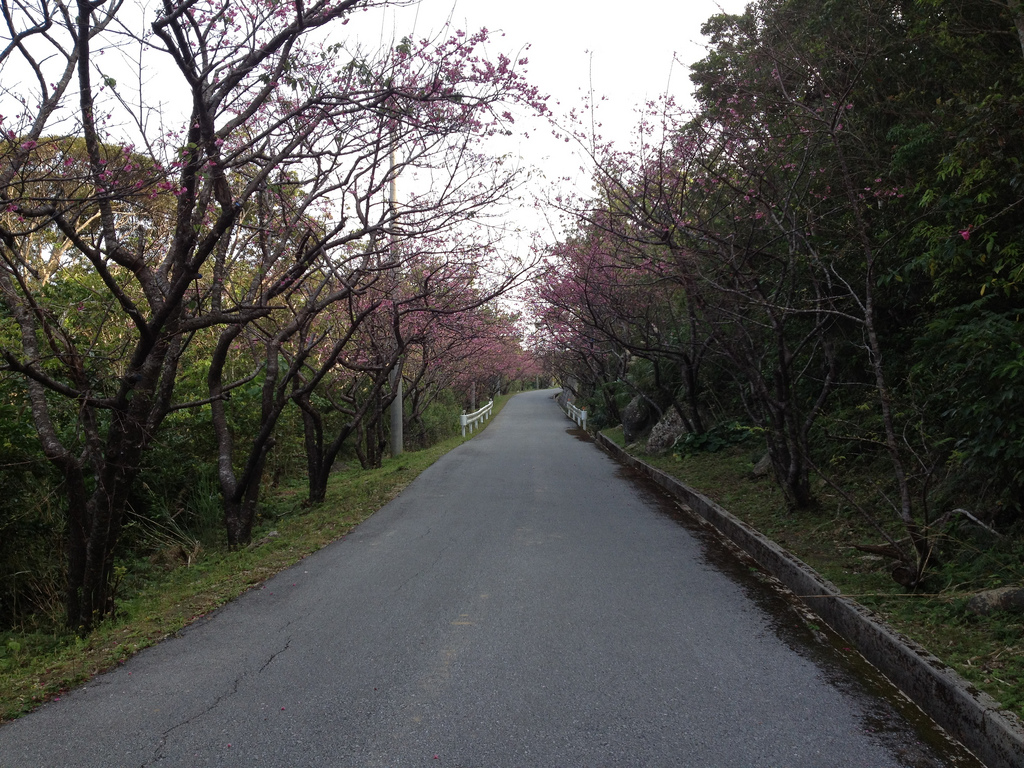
[397,407]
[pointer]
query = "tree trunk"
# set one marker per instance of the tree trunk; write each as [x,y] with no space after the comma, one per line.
[691,418]
[240,491]
[1017,12]
[95,520]
[790,469]
[239,516]
[91,565]
[313,440]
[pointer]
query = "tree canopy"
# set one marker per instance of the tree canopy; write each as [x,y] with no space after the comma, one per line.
[827,248]
[241,242]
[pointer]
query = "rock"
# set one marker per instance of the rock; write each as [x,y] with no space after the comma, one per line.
[636,418]
[665,432]
[1002,599]
[763,467]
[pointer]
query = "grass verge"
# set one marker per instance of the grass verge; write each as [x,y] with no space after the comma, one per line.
[988,651]
[38,664]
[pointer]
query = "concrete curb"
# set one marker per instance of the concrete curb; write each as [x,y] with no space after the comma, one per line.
[969,715]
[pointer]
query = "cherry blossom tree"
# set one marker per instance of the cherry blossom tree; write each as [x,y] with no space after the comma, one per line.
[813,213]
[439,104]
[128,237]
[401,325]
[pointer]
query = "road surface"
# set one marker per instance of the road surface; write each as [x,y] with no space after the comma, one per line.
[524,602]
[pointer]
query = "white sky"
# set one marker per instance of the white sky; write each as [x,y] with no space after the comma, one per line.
[626,54]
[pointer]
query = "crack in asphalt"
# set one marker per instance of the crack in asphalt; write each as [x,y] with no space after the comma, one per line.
[275,654]
[433,563]
[158,755]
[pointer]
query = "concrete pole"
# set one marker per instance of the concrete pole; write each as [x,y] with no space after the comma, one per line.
[397,413]
[397,408]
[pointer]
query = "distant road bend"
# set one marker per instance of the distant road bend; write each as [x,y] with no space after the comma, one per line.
[523,603]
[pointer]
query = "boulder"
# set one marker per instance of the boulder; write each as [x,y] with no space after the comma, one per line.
[665,433]
[992,600]
[763,467]
[636,419]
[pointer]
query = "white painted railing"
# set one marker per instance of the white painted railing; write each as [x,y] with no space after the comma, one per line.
[579,415]
[471,419]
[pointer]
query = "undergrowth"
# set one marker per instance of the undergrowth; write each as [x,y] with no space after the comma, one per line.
[196,574]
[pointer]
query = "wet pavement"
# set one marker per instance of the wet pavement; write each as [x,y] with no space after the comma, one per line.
[525,602]
[887,714]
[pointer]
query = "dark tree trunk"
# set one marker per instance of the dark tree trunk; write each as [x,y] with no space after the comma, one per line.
[95,518]
[91,564]
[791,471]
[238,521]
[241,498]
[691,382]
[320,458]
[313,440]
[240,490]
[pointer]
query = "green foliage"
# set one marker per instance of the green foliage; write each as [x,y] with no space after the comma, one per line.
[30,521]
[175,512]
[606,404]
[715,439]
[973,559]
[159,598]
[438,422]
[971,361]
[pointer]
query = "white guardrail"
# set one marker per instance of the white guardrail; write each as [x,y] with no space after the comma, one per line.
[579,415]
[471,419]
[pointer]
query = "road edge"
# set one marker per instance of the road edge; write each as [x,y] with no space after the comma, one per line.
[971,716]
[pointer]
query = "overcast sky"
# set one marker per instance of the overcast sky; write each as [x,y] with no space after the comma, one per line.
[627,54]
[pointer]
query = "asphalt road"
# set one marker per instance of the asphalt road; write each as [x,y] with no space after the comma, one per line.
[523,603]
